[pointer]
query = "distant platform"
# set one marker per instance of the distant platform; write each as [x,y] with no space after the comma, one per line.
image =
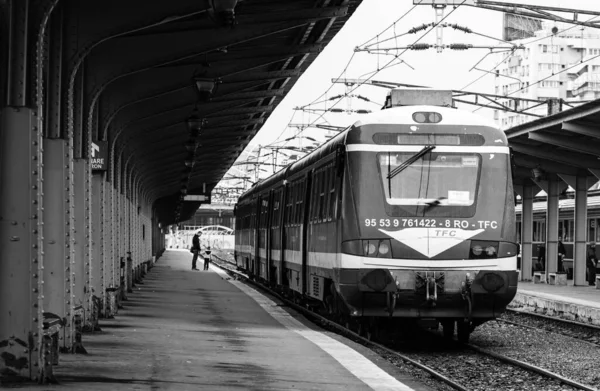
[580,303]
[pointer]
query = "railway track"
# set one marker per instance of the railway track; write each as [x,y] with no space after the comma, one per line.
[464,367]
[583,331]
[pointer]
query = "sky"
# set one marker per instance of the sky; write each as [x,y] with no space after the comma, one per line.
[447,70]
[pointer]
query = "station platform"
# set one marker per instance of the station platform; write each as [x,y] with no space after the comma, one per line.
[581,303]
[202,330]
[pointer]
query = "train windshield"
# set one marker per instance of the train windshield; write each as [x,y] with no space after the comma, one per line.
[432,179]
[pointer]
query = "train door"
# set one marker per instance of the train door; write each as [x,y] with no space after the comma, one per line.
[274,243]
[284,219]
[255,234]
[305,220]
[266,274]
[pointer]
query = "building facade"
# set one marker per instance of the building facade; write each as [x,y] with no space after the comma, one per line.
[558,61]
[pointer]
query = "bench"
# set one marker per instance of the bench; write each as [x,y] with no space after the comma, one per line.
[539,277]
[557,278]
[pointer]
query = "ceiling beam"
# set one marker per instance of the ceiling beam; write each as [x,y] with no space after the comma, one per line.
[245,76]
[525,161]
[566,142]
[581,129]
[241,110]
[563,157]
[248,95]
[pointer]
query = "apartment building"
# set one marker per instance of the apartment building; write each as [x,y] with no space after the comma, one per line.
[557,61]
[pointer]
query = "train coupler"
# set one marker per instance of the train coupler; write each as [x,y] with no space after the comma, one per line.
[429,284]
[467,295]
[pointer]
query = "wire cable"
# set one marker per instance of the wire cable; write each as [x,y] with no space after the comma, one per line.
[397,57]
[526,44]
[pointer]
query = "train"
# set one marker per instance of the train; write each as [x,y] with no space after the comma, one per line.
[405,217]
[566,224]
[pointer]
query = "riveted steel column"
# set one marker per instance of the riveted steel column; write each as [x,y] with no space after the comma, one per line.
[80,240]
[527,233]
[20,244]
[21,205]
[552,227]
[97,226]
[581,227]
[56,211]
[90,314]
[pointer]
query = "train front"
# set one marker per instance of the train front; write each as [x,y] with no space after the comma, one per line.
[428,217]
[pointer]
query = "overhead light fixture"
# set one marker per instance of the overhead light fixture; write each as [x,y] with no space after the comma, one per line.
[204,88]
[191,145]
[224,11]
[538,174]
[195,123]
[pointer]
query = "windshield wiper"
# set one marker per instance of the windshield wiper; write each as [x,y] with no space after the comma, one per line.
[410,161]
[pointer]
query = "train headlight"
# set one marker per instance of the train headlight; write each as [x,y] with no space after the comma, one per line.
[427,117]
[384,248]
[369,247]
[481,249]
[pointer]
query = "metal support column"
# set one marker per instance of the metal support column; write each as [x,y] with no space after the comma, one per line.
[80,283]
[21,243]
[552,226]
[527,233]
[97,291]
[56,256]
[581,227]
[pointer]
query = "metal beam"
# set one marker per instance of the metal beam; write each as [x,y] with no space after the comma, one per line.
[535,11]
[566,142]
[581,129]
[571,159]
[241,110]
[530,162]
[244,76]
[248,95]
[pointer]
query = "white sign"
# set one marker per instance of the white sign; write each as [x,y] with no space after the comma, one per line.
[99,158]
[195,198]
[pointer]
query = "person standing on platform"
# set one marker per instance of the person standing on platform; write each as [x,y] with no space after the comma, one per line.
[541,258]
[590,263]
[195,249]
[561,256]
[207,258]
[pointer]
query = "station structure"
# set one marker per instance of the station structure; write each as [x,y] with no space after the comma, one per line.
[117,119]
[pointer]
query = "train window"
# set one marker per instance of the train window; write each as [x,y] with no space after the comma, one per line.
[322,194]
[289,216]
[567,230]
[450,179]
[313,198]
[300,203]
[332,198]
[539,231]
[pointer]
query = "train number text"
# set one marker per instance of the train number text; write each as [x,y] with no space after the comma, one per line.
[430,223]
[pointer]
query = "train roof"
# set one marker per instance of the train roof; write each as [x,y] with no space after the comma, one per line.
[566,204]
[402,115]
[297,166]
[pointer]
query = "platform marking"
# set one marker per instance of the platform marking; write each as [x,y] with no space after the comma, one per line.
[354,362]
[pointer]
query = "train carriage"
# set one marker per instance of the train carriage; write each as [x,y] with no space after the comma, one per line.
[407,214]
